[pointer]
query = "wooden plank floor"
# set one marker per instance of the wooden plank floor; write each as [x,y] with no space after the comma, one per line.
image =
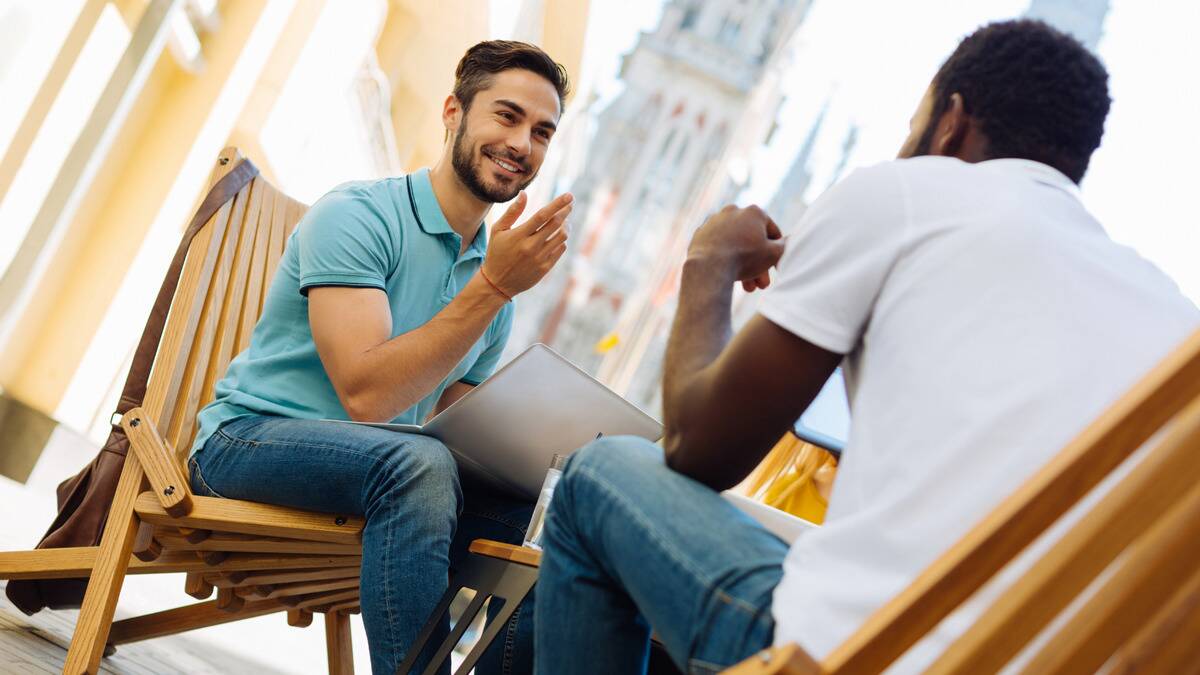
[38,644]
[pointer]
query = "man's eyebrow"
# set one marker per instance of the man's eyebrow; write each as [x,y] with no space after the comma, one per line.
[521,111]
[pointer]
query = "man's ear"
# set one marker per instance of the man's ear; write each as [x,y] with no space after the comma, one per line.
[452,113]
[951,129]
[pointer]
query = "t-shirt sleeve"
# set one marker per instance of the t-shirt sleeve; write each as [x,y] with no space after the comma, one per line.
[498,332]
[838,257]
[345,241]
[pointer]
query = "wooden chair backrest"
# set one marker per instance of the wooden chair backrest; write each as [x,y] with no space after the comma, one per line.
[1149,524]
[229,266]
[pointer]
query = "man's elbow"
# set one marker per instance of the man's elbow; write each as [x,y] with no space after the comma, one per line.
[361,407]
[690,460]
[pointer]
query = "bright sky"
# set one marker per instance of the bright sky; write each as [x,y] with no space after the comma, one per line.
[1142,179]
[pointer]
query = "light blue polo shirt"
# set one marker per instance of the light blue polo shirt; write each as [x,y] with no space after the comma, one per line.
[388,234]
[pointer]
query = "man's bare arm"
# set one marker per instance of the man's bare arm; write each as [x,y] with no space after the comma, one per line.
[727,402]
[377,376]
[452,393]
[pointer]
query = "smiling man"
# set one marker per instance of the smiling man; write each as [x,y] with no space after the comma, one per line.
[388,305]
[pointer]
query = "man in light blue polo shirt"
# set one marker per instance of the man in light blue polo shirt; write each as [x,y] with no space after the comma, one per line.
[389,304]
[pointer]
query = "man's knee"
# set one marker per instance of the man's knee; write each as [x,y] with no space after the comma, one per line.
[613,460]
[421,469]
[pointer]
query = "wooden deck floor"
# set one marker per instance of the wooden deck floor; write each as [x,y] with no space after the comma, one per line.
[38,644]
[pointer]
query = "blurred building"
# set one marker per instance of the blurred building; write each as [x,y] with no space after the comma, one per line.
[701,93]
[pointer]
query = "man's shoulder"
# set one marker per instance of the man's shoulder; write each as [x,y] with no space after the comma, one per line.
[370,191]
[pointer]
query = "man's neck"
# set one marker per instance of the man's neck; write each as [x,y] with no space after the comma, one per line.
[463,210]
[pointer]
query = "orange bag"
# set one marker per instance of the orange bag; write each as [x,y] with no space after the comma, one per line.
[795,477]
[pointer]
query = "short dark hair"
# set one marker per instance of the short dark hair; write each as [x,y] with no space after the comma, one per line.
[484,60]
[1036,92]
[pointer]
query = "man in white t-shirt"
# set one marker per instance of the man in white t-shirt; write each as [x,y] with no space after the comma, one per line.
[983,318]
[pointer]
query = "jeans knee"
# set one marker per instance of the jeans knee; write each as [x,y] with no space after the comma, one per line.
[615,456]
[422,472]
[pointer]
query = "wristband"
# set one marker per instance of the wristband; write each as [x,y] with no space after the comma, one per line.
[506,296]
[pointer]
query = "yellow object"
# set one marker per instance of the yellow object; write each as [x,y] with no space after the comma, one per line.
[607,342]
[795,477]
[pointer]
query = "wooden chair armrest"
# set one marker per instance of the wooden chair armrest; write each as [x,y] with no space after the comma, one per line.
[786,660]
[518,554]
[158,461]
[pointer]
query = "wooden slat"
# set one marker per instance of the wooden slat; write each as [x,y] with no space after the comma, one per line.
[166,379]
[77,562]
[248,543]
[316,599]
[1150,490]
[502,551]
[170,364]
[309,587]
[252,304]
[196,586]
[48,563]
[231,515]
[163,472]
[186,561]
[1143,582]
[275,577]
[786,660]
[145,547]
[1166,642]
[349,607]
[337,644]
[181,619]
[232,307]
[108,575]
[1021,518]
[300,618]
[203,349]
[228,601]
[279,225]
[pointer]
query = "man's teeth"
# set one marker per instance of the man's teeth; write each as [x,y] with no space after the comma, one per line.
[506,165]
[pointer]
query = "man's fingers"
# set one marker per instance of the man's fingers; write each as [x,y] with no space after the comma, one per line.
[511,214]
[544,214]
[748,285]
[773,231]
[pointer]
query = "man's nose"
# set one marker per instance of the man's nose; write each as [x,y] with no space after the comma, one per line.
[520,142]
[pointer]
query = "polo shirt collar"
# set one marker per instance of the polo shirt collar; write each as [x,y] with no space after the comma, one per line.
[1042,173]
[429,213]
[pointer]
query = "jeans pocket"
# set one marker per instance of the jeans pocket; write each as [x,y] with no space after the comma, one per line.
[196,478]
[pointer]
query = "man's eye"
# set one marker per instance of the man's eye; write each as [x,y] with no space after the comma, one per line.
[507,115]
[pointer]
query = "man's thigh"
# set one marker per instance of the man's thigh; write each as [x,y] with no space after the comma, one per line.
[314,464]
[699,570]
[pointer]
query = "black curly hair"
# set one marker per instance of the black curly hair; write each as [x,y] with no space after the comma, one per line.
[1036,93]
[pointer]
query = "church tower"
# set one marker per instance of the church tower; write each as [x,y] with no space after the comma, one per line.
[701,92]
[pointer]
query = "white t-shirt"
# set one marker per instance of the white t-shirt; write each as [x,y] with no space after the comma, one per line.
[987,319]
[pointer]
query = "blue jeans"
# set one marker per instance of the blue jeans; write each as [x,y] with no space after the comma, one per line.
[631,545]
[407,487]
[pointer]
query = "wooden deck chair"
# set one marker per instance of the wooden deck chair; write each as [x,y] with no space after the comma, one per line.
[258,558]
[1139,543]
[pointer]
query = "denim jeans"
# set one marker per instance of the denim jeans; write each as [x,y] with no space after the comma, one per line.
[631,545]
[407,487]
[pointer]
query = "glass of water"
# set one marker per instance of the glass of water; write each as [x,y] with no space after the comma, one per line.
[533,535]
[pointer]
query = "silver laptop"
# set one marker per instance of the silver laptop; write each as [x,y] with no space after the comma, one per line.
[508,429]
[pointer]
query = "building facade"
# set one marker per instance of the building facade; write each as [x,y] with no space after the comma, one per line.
[702,91]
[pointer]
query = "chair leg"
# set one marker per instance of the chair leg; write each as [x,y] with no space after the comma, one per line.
[108,574]
[337,643]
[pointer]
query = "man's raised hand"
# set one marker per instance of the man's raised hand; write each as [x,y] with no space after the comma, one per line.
[519,256]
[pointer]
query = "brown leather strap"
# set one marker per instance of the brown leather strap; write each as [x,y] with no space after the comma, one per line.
[143,358]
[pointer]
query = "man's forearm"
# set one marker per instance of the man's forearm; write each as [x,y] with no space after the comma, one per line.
[701,330]
[396,374]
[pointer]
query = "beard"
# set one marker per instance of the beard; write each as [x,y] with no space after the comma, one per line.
[469,168]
